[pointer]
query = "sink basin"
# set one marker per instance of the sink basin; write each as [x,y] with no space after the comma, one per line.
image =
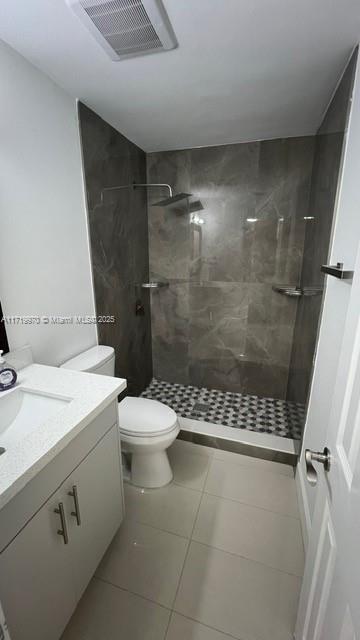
[22,411]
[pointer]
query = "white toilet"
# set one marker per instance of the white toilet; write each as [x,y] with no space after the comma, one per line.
[147,427]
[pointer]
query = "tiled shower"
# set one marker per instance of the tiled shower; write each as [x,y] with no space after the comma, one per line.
[230,336]
[220,324]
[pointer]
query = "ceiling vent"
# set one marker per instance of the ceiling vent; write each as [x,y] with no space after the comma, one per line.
[126,28]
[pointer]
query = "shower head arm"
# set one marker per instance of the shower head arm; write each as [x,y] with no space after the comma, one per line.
[155,184]
[134,185]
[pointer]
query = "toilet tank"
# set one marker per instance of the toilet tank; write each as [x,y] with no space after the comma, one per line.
[99,359]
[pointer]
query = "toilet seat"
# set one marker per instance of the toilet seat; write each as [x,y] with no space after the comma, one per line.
[141,417]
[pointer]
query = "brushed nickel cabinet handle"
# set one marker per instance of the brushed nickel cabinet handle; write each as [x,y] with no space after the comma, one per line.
[63,531]
[74,494]
[316,456]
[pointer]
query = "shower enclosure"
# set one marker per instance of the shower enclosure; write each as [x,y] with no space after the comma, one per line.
[230,339]
[220,325]
[234,335]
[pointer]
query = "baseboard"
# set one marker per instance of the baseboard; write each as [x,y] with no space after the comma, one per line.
[303,504]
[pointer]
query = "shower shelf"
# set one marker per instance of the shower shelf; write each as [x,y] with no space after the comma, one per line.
[298,292]
[154,285]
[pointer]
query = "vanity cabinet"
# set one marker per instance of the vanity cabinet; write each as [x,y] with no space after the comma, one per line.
[47,566]
[92,496]
[35,575]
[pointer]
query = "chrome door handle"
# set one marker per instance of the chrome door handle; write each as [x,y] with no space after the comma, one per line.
[316,456]
[63,531]
[76,513]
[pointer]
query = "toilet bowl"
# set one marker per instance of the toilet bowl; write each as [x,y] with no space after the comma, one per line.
[147,427]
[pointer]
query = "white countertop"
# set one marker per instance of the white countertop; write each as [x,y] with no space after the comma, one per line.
[88,393]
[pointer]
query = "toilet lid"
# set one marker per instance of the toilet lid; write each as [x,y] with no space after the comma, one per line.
[144,417]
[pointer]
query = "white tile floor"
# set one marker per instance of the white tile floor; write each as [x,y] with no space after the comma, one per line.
[215,555]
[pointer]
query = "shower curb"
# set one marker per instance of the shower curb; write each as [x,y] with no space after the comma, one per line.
[225,444]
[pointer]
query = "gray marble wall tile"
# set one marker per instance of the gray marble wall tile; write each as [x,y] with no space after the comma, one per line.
[169,228]
[269,344]
[324,182]
[229,374]
[254,198]
[170,239]
[218,319]
[268,308]
[119,244]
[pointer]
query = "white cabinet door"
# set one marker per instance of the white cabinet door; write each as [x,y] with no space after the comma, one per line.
[94,511]
[36,578]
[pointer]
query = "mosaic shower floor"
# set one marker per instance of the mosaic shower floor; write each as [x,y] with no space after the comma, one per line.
[265,415]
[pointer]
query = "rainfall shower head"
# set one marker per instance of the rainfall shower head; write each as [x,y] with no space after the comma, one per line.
[167,202]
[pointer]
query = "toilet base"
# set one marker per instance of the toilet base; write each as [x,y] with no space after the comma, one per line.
[151,470]
[147,459]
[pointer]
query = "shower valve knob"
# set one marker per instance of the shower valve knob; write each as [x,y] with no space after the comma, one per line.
[139,308]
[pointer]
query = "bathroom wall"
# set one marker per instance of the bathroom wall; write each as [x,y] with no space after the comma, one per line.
[45,265]
[324,182]
[119,244]
[219,323]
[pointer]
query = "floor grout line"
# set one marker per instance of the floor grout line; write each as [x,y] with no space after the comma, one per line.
[253,467]
[176,482]
[254,506]
[249,505]
[224,633]
[184,486]
[181,574]
[211,546]
[239,555]
[209,451]
[151,526]
[190,538]
[171,611]
[192,531]
[201,499]
[134,593]
[168,624]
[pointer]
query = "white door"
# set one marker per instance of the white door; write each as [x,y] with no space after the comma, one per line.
[330,598]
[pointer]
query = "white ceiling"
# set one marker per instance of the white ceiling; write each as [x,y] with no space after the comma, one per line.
[244,69]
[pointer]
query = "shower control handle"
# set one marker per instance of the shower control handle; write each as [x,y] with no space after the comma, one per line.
[316,456]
